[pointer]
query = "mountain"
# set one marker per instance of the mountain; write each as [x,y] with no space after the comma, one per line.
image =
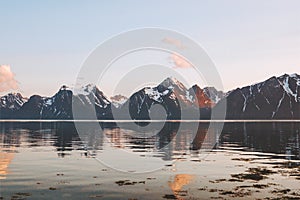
[195,96]
[88,98]
[179,90]
[58,106]
[10,104]
[31,109]
[275,98]
[195,102]
[140,103]
[150,103]
[168,100]
[200,98]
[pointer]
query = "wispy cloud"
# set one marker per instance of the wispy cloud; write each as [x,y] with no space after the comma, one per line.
[179,61]
[173,41]
[176,59]
[7,79]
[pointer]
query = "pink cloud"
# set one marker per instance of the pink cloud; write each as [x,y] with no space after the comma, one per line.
[173,41]
[179,61]
[7,79]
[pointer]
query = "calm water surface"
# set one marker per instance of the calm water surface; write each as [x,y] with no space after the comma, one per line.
[166,161]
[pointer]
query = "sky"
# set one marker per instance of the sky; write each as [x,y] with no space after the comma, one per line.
[43,44]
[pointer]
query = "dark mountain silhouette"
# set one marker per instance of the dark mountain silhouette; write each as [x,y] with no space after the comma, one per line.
[275,98]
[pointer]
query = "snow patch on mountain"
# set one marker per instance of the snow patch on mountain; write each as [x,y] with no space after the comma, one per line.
[155,95]
[118,100]
[189,97]
[286,87]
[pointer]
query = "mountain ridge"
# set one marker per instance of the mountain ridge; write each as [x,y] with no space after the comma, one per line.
[274,98]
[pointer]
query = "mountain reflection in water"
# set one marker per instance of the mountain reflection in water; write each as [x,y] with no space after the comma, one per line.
[45,158]
[171,140]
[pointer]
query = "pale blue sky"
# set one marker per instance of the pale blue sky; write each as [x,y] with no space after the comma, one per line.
[45,42]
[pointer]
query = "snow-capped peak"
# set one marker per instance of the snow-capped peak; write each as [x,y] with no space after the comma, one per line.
[155,95]
[90,94]
[12,101]
[172,83]
[86,90]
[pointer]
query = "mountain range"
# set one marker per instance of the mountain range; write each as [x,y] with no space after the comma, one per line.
[274,98]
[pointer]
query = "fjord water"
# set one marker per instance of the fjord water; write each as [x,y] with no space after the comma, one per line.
[245,160]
